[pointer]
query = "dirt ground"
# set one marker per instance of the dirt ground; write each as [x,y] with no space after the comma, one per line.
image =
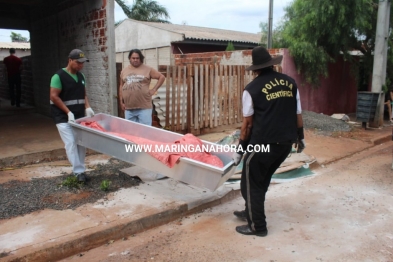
[342,213]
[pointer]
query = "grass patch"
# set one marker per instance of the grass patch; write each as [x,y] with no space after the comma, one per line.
[104,186]
[71,182]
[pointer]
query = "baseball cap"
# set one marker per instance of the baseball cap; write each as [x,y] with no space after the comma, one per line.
[78,55]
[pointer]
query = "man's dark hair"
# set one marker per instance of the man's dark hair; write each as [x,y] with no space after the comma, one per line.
[12,50]
[141,57]
[263,70]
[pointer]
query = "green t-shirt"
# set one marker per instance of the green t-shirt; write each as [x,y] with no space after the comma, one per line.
[56,83]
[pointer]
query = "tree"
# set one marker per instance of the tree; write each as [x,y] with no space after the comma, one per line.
[278,41]
[230,47]
[264,26]
[18,38]
[145,10]
[317,32]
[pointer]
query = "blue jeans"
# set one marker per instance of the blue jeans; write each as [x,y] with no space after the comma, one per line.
[142,116]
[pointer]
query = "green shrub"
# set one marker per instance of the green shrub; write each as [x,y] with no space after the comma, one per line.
[71,182]
[230,47]
[105,185]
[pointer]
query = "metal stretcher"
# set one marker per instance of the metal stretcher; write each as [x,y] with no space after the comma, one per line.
[186,170]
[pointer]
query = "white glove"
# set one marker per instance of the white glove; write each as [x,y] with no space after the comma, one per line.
[71,117]
[301,145]
[89,112]
[236,157]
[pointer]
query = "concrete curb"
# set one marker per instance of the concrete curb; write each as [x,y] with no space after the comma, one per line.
[373,142]
[91,238]
[382,139]
[33,158]
[37,157]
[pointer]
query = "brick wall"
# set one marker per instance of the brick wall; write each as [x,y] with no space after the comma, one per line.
[27,83]
[58,29]
[240,57]
[45,51]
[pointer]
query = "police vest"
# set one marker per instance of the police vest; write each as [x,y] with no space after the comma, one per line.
[73,96]
[274,99]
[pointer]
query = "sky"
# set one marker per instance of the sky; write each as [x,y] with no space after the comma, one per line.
[5,34]
[238,15]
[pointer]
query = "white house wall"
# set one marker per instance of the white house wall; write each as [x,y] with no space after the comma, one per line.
[164,55]
[153,57]
[18,53]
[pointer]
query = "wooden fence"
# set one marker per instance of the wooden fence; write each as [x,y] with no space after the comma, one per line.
[202,98]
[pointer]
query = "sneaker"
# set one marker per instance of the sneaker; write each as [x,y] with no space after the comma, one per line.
[241,215]
[246,230]
[82,177]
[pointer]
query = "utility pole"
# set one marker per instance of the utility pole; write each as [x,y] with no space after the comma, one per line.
[380,58]
[270,25]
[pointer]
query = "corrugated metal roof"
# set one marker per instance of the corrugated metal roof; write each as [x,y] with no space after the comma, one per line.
[205,33]
[16,45]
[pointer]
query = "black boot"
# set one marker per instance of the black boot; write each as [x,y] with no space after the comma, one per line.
[241,215]
[246,230]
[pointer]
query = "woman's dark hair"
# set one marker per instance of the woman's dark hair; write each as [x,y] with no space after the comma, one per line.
[141,57]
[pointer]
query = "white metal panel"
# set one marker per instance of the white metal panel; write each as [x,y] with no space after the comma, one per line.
[205,33]
[15,45]
[186,170]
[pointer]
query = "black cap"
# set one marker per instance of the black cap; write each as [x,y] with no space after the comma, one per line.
[78,55]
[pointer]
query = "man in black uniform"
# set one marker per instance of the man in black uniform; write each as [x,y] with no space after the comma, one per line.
[69,101]
[272,122]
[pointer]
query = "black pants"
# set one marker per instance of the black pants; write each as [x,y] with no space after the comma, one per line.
[258,169]
[14,84]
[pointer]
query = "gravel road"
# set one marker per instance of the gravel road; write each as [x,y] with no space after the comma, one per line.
[22,197]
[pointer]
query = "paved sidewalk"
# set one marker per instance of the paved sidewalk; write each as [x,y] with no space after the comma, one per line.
[27,137]
[53,235]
